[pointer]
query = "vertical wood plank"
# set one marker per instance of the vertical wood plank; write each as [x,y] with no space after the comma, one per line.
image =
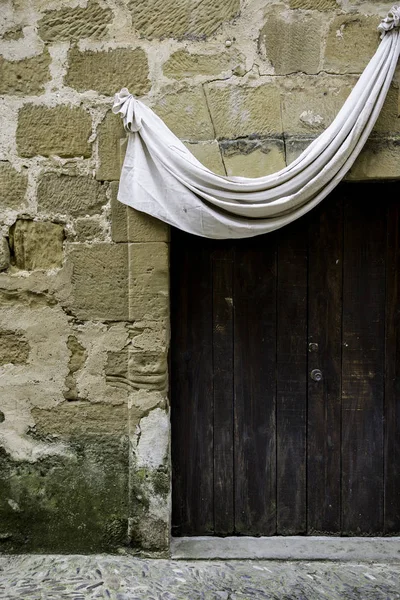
[192,385]
[254,403]
[324,353]
[392,381]
[222,266]
[363,360]
[291,380]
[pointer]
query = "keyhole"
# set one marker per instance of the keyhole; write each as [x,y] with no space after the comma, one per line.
[316,375]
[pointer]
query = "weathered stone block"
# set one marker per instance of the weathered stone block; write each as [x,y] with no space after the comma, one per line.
[26,76]
[149,281]
[89,229]
[37,245]
[68,195]
[309,104]
[100,281]
[72,503]
[12,186]
[186,114]
[71,24]
[208,153]
[61,130]
[295,146]
[111,147]
[147,335]
[182,64]
[253,158]
[138,370]
[108,71]
[148,370]
[169,18]
[291,43]
[4,253]
[116,368]
[150,482]
[388,121]
[82,419]
[352,41]
[239,111]
[314,4]
[130,225]
[379,159]
[14,348]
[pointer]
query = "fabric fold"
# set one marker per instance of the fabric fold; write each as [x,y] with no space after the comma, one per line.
[161,177]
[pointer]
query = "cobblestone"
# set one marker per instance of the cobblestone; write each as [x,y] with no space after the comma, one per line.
[128,578]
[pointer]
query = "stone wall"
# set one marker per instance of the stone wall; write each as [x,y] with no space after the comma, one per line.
[84,328]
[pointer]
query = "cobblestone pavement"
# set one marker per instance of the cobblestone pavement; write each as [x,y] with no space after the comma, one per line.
[128,578]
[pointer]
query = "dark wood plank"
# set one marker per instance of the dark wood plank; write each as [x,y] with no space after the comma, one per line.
[392,381]
[192,385]
[363,360]
[222,266]
[254,403]
[291,415]
[325,353]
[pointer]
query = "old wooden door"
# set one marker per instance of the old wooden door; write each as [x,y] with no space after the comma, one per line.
[285,364]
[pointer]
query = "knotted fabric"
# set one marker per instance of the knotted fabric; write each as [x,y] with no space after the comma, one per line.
[161,177]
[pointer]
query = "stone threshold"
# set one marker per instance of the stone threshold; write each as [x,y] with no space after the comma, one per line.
[363,549]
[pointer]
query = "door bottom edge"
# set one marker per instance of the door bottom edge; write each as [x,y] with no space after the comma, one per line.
[306,548]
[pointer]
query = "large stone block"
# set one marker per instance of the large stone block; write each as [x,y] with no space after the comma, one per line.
[149,281]
[12,187]
[314,4]
[253,158]
[100,282]
[186,114]
[185,18]
[148,370]
[68,195]
[26,76]
[60,130]
[291,43]
[88,229]
[71,24]
[309,104]
[72,503]
[108,71]
[111,146]
[80,419]
[379,159]
[239,111]
[208,153]
[37,245]
[388,122]
[352,41]
[130,225]
[295,146]
[139,370]
[182,64]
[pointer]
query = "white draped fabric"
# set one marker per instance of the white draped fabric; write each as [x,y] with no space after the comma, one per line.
[161,177]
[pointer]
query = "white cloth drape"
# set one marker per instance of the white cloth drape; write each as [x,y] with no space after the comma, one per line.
[161,177]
